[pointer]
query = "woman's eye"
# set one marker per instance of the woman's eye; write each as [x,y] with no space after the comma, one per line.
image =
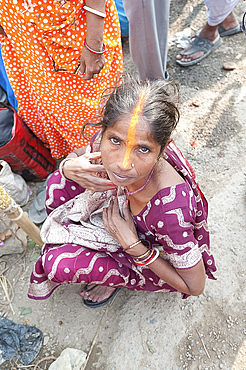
[143,150]
[115,140]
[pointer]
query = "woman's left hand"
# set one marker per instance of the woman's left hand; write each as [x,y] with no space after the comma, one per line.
[122,229]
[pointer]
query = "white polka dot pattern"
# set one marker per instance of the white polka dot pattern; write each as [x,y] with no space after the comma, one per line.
[42,39]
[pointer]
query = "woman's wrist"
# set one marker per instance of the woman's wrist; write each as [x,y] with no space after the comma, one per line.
[65,169]
[137,250]
[94,44]
[73,155]
[95,24]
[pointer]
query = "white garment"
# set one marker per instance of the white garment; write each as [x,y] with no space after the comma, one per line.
[218,10]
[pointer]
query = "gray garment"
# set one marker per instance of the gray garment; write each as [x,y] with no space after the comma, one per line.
[148,36]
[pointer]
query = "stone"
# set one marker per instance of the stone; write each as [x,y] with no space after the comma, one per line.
[46,340]
[229,66]
[14,245]
[69,359]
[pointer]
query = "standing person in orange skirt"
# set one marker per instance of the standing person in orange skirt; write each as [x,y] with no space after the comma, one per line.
[59,56]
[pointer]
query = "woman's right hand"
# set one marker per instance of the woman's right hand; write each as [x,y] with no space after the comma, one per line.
[85,173]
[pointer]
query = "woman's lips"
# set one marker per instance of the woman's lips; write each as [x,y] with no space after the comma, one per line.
[121,178]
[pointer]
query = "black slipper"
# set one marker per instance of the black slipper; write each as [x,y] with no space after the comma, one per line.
[91,304]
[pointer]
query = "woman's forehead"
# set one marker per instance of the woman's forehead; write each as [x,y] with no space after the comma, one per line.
[122,127]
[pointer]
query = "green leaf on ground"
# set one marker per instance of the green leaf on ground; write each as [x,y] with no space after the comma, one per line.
[25,310]
[151,349]
[35,256]
[31,244]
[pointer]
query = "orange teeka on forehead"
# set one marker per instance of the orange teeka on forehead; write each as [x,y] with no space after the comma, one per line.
[130,140]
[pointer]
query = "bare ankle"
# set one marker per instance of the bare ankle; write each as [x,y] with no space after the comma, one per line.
[230,21]
[209,32]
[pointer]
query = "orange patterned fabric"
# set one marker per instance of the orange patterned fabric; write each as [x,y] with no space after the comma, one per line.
[41,56]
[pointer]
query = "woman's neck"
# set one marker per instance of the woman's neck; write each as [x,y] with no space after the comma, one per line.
[140,188]
[164,176]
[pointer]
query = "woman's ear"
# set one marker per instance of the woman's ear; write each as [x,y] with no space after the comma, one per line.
[160,156]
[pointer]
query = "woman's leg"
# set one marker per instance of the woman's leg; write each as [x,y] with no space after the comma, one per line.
[74,264]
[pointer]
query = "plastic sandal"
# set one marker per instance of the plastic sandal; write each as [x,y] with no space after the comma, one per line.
[199,44]
[233,31]
[91,304]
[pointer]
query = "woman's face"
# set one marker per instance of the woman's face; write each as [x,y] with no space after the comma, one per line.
[142,153]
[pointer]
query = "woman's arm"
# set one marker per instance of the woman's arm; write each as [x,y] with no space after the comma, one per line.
[80,169]
[91,63]
[190,281]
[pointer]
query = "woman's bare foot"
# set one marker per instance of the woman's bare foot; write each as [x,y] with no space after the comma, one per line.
[210,33]
[97,293]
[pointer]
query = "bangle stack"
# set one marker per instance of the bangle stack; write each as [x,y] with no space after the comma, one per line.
[61,169]
[94,51]
[148,257]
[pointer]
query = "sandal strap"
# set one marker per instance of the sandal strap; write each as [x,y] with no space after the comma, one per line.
[199,44]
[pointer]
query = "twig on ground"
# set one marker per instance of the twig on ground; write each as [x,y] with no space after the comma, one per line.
[8,267]
[35,366]
[95,337]
[203,344]
[4,282]
[44,359]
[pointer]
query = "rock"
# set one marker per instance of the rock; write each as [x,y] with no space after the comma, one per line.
[69,359]
[46,339]
[195,104]
[14,245]
[229,66]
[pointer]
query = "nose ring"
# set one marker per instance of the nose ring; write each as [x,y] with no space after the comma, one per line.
[132,165]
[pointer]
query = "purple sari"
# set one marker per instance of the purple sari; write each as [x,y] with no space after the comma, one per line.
[79,250]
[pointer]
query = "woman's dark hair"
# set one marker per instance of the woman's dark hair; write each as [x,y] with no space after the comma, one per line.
[159,109]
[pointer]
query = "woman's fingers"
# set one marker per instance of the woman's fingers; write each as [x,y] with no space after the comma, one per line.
[108,222]
[97,183]
[126,211]
[110,212]
[91,156]
[105,219]
[85,161]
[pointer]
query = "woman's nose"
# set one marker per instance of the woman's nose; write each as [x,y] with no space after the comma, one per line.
[125,161]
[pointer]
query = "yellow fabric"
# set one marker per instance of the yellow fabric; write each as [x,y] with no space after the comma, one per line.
[41,55]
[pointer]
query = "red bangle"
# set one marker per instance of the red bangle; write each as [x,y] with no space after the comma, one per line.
[148,260]
[94,51]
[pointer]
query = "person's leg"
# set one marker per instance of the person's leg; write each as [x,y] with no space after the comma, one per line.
[75,264]
[148,36]
[218,12]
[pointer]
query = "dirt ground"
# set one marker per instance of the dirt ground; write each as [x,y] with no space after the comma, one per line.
[142,330]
